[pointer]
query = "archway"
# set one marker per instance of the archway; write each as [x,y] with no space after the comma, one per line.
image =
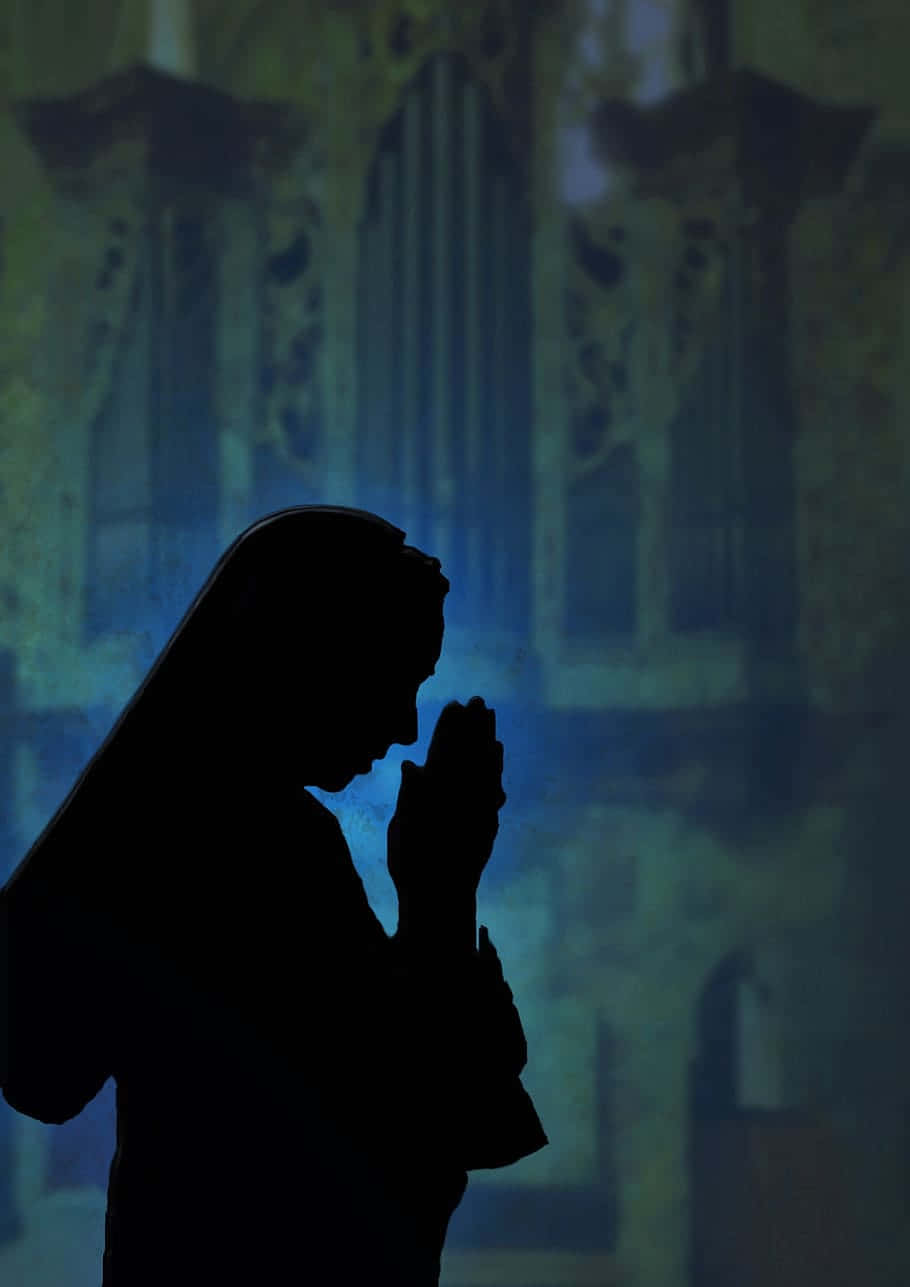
[768,1197]
[737,1068]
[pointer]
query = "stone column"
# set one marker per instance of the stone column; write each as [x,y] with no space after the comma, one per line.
[345,175]
[237,358]
[654,240]
[172,46]
[549,254]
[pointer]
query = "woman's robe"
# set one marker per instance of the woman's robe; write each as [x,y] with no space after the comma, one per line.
[297,1100]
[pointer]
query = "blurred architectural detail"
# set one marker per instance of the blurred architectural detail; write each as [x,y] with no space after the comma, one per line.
[676,322]
[11,1221]
[649,425]
[771,1205]
[172,38]
[182,348]
[444,430]
[769,1197]
[758,1064]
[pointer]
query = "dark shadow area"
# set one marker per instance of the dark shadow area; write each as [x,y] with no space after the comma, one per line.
[190,924]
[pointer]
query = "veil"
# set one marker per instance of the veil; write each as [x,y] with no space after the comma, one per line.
[294,588]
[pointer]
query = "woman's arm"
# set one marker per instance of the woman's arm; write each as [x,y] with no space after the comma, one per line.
[463,1037]
[438,932]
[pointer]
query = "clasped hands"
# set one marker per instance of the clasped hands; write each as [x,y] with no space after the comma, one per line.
[446,819]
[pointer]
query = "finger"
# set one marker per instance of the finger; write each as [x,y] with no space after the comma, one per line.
[482,717]
[447,717]
[450,718]
[490,759]
[464,740]
[455,729]
[485,715]
[442,733]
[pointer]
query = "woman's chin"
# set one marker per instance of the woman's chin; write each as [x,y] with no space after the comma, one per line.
[338,779]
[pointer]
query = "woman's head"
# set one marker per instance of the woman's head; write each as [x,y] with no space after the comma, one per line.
[303,653]
[297,664]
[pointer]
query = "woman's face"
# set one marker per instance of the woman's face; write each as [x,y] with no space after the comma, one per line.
[373,708]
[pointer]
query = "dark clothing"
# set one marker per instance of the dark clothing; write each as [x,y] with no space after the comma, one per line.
[299,1099]
[295,1101]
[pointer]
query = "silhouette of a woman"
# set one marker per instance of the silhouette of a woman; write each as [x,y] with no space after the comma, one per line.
[299,1097]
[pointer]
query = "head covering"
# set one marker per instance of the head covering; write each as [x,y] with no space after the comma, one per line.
[113,919]
[302,592]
